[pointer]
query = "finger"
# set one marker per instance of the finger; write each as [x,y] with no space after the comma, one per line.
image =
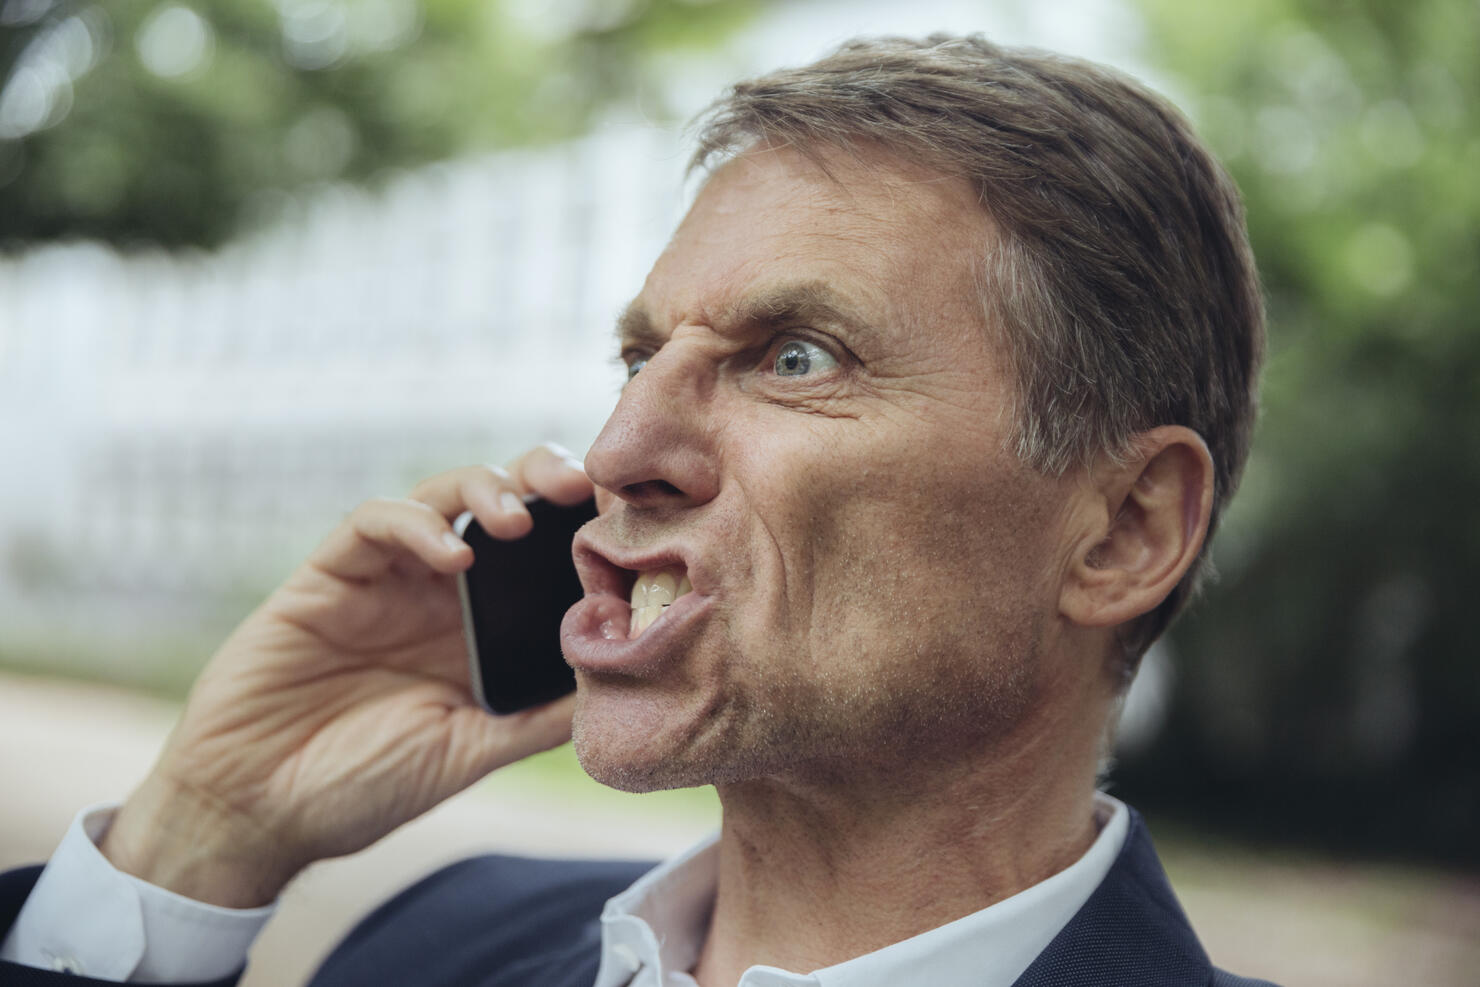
[551,471]
[496,495]
[381,532]
[490,492]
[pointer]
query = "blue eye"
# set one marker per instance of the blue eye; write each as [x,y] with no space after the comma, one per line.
[635,366]
[800,357]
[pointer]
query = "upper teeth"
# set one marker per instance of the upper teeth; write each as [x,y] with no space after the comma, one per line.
[653,591]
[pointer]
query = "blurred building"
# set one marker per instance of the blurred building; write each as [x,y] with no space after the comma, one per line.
[179,427]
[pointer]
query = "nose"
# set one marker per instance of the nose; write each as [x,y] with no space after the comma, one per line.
[655,450]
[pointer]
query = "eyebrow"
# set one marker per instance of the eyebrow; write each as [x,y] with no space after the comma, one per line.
[635,328]
[779,306]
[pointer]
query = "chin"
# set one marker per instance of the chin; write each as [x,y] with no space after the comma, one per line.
[637,742]
[634,745]
[619,766]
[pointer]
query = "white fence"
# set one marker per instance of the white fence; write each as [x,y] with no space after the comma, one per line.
[179,426]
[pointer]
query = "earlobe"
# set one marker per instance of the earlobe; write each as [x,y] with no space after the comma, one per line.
[1154,509]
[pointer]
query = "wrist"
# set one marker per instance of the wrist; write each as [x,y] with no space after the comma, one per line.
[184,842]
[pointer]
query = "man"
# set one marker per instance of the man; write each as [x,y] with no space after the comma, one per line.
[933,398]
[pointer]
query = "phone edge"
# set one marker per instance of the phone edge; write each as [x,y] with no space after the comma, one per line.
[470,633]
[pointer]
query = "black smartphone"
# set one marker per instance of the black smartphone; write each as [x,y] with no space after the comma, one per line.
[513,598]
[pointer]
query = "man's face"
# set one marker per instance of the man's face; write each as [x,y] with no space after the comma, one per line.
[816,438]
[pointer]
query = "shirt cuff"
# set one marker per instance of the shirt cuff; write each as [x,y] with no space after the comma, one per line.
[84,916]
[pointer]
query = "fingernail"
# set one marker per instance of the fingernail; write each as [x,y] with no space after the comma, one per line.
[453,543]
[511,503]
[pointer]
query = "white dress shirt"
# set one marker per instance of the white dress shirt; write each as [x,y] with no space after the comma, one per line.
[652,932]
[85,917]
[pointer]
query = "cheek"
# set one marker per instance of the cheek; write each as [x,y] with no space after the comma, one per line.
[866,543]
[933,563]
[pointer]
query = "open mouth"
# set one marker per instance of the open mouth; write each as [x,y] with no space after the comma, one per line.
[640,612]
[653,592]
[627,592]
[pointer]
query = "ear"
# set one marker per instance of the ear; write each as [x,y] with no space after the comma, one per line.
[1144,522]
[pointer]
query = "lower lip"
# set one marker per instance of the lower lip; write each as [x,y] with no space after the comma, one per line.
[588,649]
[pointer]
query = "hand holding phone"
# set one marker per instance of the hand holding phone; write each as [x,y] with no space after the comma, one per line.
[514,597]
[339,708]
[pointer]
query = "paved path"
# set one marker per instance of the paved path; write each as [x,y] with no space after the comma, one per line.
[1303,923]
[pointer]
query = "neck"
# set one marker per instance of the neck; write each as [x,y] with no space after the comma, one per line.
[819,870]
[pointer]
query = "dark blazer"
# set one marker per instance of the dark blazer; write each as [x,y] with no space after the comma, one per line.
[512,922]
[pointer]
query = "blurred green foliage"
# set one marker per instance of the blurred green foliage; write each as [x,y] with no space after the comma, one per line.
[1328,686]
[168,122]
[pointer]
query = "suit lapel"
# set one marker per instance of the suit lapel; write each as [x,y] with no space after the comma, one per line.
[569,965]
[1131,931]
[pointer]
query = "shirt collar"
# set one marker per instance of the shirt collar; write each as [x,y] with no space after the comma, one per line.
[658,925]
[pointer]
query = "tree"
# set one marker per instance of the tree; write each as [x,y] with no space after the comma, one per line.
[1327,684]
[165,121]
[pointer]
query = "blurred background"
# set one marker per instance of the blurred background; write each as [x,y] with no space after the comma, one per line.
[262,260]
